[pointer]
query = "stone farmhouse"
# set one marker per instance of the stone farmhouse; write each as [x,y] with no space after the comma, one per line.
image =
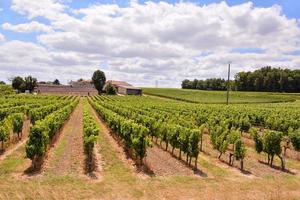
[81,87]
[85,88]
[124,88]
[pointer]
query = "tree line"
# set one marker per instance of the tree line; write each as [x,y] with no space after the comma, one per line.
[20,84]
[266,79]
[208,84]
[29,83]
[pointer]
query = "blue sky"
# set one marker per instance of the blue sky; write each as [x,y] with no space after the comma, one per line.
[167,41]
[290,8]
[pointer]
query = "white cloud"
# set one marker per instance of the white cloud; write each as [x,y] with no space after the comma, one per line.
[52,9]
[33,26]
[23,58]
[2,38]
[154,41]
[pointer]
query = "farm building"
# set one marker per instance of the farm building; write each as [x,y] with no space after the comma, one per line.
[125,88]
[82,87]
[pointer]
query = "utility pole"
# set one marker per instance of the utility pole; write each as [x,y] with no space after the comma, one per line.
[281,81]
[228,84]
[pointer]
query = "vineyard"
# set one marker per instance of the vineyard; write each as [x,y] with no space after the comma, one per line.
[149,147]
[202,96]
[6,89]
[15,110]
[137,120]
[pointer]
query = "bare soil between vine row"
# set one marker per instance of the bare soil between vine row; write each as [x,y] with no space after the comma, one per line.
[158,161]
[14,143]
[66,155]
[162,163]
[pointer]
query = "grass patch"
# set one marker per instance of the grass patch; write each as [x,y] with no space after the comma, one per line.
[203,96]
[269,177]
[114,168]
[215,170]
[10,164]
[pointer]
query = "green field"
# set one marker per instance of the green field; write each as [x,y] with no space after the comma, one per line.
[202,96]
[172,138]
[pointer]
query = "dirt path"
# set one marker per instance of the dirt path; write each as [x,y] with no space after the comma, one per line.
[10,151]
[252,162]
[13,146]
[291,153]
[67,155]
[105,131]
[160,162]
[163,164]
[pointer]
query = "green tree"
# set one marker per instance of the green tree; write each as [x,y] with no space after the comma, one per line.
[187,84]
[99,80]
[110,89]
[30,83]
[17,83]
[56,82]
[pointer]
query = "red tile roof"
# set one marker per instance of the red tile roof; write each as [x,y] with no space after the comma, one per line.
[119,83]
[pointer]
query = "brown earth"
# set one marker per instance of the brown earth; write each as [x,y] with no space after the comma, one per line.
[290,153]
[223,181]
[106,132]
[163,164]
[158,161]
[14,143]
[67,155]
[254,164]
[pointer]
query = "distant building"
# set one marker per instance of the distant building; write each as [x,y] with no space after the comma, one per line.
[124,88]
[81,87]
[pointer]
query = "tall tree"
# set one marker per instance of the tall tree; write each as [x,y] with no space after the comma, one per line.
[265,79]
[17,83]
[2,83]
[208,84]
[56,82]
[99,80]
[30,83]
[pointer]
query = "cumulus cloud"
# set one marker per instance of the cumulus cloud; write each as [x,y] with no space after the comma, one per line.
[167,42]
[51,9]
[2,38]
[23,58]
[33,26]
